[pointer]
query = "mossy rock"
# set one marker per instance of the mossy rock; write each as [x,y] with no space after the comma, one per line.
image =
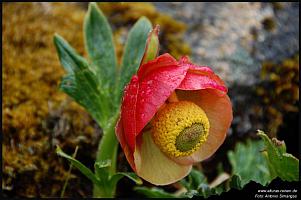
[278,91]
[32,100]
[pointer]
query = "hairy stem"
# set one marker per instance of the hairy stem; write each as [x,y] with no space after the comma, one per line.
[107,150]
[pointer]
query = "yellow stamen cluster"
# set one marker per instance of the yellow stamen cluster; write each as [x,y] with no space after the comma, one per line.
[180,128]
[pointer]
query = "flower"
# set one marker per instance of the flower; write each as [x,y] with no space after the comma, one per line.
[173,114]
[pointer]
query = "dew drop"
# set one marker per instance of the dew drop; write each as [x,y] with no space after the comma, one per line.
[150,82]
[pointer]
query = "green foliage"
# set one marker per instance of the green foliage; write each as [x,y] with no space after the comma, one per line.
[101,178]
[197,185]
[90,84]
[280,163]
[101,169]
[132,176]
[86,171]
[195,179]
[133,53]
[249,163]
[258,161]
[81,82]
[71,61]
[99,45]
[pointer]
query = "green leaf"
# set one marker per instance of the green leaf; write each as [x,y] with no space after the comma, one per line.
[86,171]
[198,185]
[205,190]
[191,193]
[133,52]
[248,162]
[185,184]
[99,45]
[68,57]
[196,178]
[81,82]
[281,164]
[101,170]
[152,46]
[235,182]
[116,177]
[154,192]
[82,86]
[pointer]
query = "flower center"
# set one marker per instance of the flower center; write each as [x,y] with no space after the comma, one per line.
[189,137]
[180,128]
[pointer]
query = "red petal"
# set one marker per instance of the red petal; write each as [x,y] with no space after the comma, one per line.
[200,77]
[161,61]
[144,95]
[157,80]
[121,138]
[128,112]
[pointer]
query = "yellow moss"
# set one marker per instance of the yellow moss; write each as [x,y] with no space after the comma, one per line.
[180,128]
[279,91]
[31,98]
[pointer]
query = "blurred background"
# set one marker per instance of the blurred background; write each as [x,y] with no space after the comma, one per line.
[254,47]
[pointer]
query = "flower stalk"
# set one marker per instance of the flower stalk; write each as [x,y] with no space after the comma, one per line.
[97,85]
[107,150]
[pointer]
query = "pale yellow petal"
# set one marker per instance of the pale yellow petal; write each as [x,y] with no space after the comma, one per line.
[155,167]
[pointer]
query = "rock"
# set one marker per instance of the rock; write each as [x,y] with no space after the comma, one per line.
[220,36]
[284,41]
[232,38]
